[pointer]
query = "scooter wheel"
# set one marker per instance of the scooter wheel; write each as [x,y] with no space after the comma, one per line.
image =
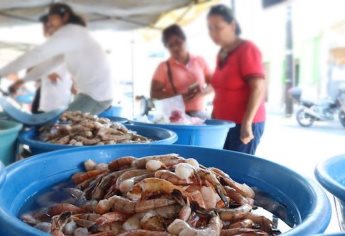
[341,117]
[304,119]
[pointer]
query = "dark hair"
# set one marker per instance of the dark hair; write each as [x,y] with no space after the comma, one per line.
[61,9]
[43,19]
[226,13]
[172,30]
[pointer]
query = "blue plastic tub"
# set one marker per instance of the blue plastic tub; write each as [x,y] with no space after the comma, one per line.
[116,119]
[159,135]
[9,131]
[112,111]
[25,99]
[307,205]
[211,135]
[331,174]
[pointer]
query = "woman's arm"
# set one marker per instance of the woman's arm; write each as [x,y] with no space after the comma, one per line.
[158,91]
[208,77]
[61,42]
[257,91]
[44,69]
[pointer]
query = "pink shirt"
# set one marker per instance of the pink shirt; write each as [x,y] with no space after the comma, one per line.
[183,76]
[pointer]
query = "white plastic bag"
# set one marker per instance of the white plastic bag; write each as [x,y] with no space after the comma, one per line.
[168,105]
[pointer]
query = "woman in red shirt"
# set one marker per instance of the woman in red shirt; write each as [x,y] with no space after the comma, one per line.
[238,82]
[182,74]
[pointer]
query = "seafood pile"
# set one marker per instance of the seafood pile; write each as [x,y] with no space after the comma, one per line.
[154,195]
[79,129]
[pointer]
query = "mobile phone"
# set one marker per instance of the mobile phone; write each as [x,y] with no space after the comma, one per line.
[193,86]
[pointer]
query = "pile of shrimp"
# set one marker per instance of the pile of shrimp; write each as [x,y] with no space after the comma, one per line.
[79,129]
[154,195]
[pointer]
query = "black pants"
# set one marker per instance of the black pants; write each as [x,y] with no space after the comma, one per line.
[36,102]
[234,143]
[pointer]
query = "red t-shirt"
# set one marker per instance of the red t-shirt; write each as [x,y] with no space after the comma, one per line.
[230,84]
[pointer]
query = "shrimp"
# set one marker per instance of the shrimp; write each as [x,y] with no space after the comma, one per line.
[168,211]
[234,214]
[218,172]
[186,210]
[75,193]
[154,165]
[113,178]
[120,163]
[29,219]
[193,162]
[81,232]
[264,223]
[243,231]
[195,195]
[127,206]
[243,189]
[152,221]
[102,166]
[64,207]
[92,186]
[105,205]
[128,184]
[69,228]
[90,165]
[129,174]
[246,223]
[99,190]
[184,170]
[44,226]
[155,185]
[182,228]
[90,206]
[142,232]
[171,177]
[133,222]
[111,217]
[168,160]
[81,177]
[209,176]
[85,220]
[210,197]
[59,222]
[87,141]
[103,234]
[113,227]
[235,196]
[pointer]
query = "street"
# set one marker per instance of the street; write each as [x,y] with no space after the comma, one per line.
[301,149]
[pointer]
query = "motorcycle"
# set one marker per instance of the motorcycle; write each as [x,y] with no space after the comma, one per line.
[324,110]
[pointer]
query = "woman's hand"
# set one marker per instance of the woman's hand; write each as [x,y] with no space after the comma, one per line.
[193,91]
[246,133]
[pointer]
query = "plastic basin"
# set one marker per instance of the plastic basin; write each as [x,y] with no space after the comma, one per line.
[117,119]
[331,174]
[9,131]
[307,205]
[25,99]
[159,135]
[112,111]
[211,135]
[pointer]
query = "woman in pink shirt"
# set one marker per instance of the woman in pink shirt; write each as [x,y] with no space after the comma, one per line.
[182,74]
